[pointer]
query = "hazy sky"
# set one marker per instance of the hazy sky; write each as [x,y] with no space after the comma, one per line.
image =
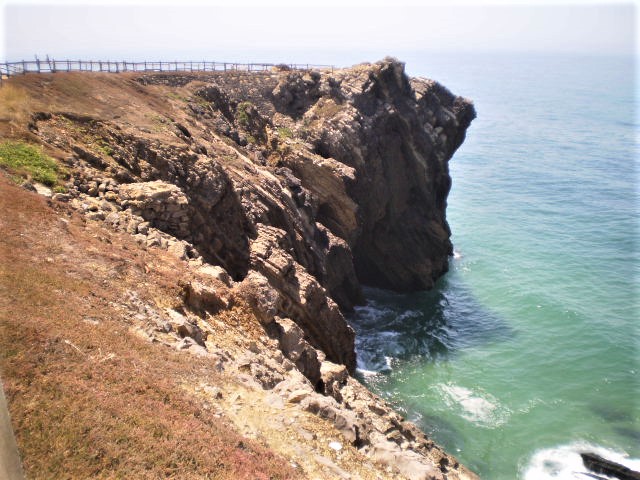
[318,32]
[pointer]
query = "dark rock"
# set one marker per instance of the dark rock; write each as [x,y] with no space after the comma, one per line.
[89,157]
[182,129]
[598,464]
[402,241]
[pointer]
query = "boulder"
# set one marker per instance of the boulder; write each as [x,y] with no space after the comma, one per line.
[162,204]
[291,340]
[185,328]
[202,298]
[411,465]
[333,377]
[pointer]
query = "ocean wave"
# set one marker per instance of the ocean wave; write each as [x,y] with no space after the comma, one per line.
[367,373]
[482,409]
[372,312]
[563,462]
[371,363]
[409,314]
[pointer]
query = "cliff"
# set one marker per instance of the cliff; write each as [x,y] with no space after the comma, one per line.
[281,193]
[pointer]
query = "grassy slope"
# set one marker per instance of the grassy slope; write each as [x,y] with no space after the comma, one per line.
[88,399]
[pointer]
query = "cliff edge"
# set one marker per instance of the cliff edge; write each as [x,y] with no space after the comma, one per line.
[281,192]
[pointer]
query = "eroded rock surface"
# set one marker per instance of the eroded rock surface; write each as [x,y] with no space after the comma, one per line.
[286,191]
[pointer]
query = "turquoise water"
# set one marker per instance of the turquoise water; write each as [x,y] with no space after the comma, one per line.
[528,349]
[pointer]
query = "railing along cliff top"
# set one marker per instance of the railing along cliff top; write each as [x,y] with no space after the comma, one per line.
[10,69]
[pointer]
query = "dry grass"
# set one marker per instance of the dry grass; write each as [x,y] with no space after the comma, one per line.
[88,399]
[14,103]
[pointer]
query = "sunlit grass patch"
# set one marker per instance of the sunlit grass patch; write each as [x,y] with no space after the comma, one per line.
[29,161]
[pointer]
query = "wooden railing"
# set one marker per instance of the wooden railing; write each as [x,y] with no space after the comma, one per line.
[10,69]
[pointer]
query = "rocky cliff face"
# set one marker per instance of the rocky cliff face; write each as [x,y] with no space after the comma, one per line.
[395,136]
[317,182]
[296,187]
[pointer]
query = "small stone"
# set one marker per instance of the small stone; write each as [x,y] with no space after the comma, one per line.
[202,298]
[216,272]
[95,215]
[185,343]
[43,190]
[337,446]
[333,373]
[106,206]
[28,186]
[143,228]
[111,196]
[113,218]
[153,241]
[214,392]
[297,396]
[198,350]
[61,197]
[179,250]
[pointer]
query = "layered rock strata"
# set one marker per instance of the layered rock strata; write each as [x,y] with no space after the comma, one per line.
[293,188]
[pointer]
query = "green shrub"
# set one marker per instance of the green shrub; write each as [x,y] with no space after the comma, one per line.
[29,161]
[105,148]
[242,116]
[285,132]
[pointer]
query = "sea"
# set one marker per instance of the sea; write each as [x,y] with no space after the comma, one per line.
[528,351]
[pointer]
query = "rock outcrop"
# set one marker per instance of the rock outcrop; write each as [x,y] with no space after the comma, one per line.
[318,181]
[288,190]
[391,138]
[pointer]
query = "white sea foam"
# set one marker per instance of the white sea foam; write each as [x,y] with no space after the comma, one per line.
[480,408]
[410,314]
[387,361]
[564,462]
[372,311]
[456,255]
[367,373]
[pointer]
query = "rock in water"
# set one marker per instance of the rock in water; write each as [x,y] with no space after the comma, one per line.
[598,464]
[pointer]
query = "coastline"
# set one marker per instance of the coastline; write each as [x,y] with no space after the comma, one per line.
[259,186]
